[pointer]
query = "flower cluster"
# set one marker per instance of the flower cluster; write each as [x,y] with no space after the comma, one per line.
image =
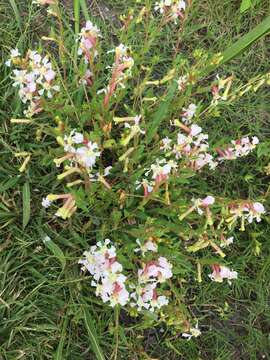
[80,158]
[88,39]
[173,9]
[194,148]
[201,206]
[102,264]
[35,79]
[245,210]
[191,146]
[80,152]
[153,273]
[110,283]
[121,70]
[239,148]
[158,173]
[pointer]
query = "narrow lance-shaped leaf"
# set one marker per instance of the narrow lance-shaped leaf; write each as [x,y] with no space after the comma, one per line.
[56,251]
[247,40]
[26,204]
[161,113]
[92,335]
[84,9]
[59,352]
[76,6]
[240,45]
[16,12]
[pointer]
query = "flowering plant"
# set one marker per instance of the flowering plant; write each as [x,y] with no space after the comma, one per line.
[130,171]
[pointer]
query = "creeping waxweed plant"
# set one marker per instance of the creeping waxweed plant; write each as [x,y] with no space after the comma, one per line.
[128,151]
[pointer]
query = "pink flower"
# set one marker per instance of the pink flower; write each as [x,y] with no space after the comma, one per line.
[221,272]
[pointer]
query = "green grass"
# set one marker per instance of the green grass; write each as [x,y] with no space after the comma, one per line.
[47,310]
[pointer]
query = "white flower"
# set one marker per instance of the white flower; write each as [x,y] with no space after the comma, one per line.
[193,332]
[147,185]
[182,81]
[46,238]
[77,138]
[87,155]
[46,203]
[181,5]
[259,208]
[189,113]
[161,169]
[195,130]
[14,53]
[255,140]
[227,242]
[147,246]
[203,204]
[107,170]
[166,144]
[135,128]
[209,200]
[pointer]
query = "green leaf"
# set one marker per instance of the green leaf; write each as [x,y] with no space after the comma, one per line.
[5,185]
[161,113]
[247,40]
[84,9]
[56,251]
[245,5]
[16,12]
[59,352]
[242,44]
[26,204]
[92,335]
[76,6]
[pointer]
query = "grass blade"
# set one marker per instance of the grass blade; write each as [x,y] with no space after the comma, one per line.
[247,40]
[56,251]
[5,185]
[16,12]
[242,44]
[76,6]
[84,9]
[92,335]
[59,352]
[245,5]
[26,204]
